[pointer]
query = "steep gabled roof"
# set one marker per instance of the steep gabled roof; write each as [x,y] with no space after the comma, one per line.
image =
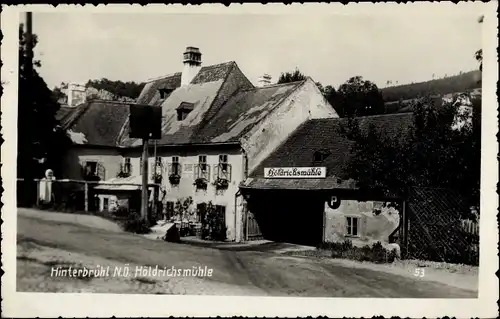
[96,122]
[200,96]
[242,111]
[64,112]
[325,135]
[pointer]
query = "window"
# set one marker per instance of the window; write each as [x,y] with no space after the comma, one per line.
[183,110]
[223,162]
[320,156]
[175,166]
[105,203]
[352,226]
[169,210]
[158,165]
[202,170]
[91,168]
[223,169]
[127,166]
[202,160]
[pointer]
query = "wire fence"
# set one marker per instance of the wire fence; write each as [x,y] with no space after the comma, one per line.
[437,229]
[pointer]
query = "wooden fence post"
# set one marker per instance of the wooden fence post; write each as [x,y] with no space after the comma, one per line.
[86,197]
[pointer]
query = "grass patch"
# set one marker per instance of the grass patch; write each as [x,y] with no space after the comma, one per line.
[345,250]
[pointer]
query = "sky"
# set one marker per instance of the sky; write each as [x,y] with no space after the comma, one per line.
[76,47]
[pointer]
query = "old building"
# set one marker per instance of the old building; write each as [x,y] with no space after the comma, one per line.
[328,207]
[216,128]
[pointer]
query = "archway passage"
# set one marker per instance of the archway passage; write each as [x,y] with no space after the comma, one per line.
[289,216]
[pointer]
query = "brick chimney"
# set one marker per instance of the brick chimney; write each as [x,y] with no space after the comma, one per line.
[264,80]
[192,65]
[76,94]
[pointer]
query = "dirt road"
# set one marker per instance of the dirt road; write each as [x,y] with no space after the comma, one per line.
[44,245]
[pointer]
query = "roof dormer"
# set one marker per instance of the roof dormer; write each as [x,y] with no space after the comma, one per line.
[183,110]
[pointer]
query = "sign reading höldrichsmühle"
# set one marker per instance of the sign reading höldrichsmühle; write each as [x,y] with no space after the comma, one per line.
[295,172]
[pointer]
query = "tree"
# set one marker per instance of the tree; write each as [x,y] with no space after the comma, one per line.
[479,53]
[294,76]
[122,89]
[431,154]
[40,141]
[358,97]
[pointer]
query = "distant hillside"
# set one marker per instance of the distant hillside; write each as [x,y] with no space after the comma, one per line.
[457,83]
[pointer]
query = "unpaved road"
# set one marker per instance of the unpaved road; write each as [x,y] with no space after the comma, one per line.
[44,243]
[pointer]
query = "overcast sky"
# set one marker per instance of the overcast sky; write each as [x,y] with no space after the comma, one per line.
[330,49]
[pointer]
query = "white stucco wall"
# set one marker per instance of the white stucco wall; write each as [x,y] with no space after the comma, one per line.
[305,103]
[371,227]
[76,156]
[185,188]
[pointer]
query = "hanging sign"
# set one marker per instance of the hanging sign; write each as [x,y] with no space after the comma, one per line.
[334,202]
[295,172]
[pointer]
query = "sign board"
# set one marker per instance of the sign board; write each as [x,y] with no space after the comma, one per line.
[145,122]
[334,202]
[295,172]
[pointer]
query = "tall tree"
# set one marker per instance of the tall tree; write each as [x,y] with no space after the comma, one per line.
[358,97]
[479,53]
[433,153]
[123,89]
[293,76]
[40,142]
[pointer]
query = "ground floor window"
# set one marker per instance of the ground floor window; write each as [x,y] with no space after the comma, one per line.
[105,203]
[352,226]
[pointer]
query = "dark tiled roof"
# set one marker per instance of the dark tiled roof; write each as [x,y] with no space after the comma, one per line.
[176,132]
[213,73]
[150,93]
[97,122]
[210,73]
[242,111]
[326,135]
[64,112]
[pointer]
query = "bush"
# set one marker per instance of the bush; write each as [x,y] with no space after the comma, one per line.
[376,253]
[135,224]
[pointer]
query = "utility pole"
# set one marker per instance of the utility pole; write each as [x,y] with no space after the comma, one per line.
[29,44]
[145,198]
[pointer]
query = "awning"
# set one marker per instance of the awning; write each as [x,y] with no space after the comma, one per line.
[131,183]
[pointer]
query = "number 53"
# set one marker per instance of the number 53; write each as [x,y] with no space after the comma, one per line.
[419,272]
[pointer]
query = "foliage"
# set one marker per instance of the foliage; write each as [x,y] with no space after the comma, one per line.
[458,83]
[479,53]
[201,183]
[122,173]
[136,224]
[358,97]
[213,225]
[184,211]
[126,89]
[432,154]
[221,183]
[156,177]
[376,253]
[174,179]
[40,139]
[293,76]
